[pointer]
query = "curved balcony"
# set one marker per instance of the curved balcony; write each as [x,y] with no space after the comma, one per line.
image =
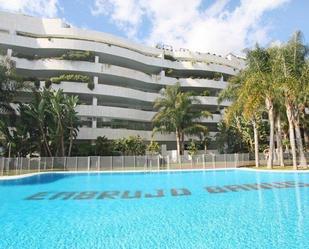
[93,133]
[114,55]
[127,113]
[124,93]
[110,73]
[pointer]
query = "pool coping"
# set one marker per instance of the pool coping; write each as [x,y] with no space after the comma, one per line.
[149,171]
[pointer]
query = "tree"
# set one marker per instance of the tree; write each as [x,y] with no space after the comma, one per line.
[246,109]
[153,147]
[193,148]
[132,145]
[71,120]
[176,114]
[261,84]
[48,124]
[103,146]
[293,75]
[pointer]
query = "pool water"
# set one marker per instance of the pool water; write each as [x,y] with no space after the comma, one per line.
[203,209]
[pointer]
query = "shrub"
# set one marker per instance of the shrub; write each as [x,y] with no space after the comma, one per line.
[90,85]
[48,83]
[205,93]
[169,57]
[70,77]
[76,55]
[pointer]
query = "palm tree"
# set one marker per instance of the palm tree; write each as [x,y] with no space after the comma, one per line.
[39,111]
[71,120]
[293,76]
[10,84]
[247,104]
[176,114]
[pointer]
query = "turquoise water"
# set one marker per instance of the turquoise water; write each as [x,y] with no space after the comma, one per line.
[169,210]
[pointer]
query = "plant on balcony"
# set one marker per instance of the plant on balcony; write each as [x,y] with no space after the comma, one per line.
[71,78]
[73,55]
[169,57]
[26,56]
[205,93]
[90,85]
[77,55]
[217,76]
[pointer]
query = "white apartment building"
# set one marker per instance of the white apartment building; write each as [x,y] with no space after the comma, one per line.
[127,77]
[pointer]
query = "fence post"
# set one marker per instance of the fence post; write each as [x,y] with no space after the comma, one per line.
[122,162]
[111,163]
[158,160]
[2,168]
[134,162]
[168,162]
[191,161]
[76,163]
[99,163]
[88,162]
[64,163]
[39,167]
[214,161]
[235,159]
[225,164]
[16,165]
[203,158]
[20,164]
[52,166]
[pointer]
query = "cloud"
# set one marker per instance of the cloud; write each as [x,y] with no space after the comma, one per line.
[217,28]
[125,13]
[46,8]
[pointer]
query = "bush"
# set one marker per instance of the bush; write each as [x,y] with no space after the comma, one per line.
[70,77]
[90,85]
[48,83]
[169,57]
[76,55]
[205,93]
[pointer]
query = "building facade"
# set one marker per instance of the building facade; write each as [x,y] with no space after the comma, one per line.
[120,80]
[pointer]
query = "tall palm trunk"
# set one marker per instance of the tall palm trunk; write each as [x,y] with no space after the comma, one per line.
[279,141]
[45,141]
[178,139]
[302,157]
[270,108]
[182,144]
[256,143]
[71,141]
[289,113]
[306,138]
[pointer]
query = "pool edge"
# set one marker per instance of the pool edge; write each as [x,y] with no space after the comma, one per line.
[149,171]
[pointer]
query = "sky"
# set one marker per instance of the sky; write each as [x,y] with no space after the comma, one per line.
[216,26]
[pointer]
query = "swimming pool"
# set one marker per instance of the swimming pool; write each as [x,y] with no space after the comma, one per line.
[201,209]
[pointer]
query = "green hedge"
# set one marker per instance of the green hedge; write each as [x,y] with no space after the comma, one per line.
[70,77]
[77,56]
[73,55]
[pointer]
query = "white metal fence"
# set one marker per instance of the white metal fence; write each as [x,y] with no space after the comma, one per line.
[22,165]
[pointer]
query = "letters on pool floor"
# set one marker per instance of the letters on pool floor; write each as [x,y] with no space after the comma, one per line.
[158,193]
